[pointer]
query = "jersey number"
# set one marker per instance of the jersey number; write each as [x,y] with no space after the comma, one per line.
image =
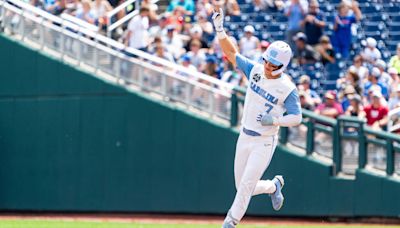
[269,107]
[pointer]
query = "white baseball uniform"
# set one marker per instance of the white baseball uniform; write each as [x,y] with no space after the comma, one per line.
[256,143]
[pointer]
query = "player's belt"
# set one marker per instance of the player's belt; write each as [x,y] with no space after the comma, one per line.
[250,132]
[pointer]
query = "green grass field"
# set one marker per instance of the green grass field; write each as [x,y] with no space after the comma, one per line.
[75,224]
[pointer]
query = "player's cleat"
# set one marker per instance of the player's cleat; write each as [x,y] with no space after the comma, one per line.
[229,225]
[229,221]
[277,197]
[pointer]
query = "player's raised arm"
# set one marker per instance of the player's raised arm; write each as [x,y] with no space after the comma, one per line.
[226,44]
[228,47]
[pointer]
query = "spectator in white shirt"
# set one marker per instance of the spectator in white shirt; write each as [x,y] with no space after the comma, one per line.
[173,42]
[385,77]
[197,55]
[159,30]
[370,52]
[186,62]
[249,43]
[137,36]
[99,11]
[394,101]
[358,66]
[393,73]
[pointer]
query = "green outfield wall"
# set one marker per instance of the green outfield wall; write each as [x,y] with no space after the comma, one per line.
[72,142]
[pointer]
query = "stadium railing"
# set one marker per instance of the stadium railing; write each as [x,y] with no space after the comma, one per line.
[394,120]
[111,60]
[347,142]
[125,6]
[79,22]
[130,6]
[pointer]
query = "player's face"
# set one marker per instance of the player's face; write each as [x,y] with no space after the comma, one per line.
[269,67]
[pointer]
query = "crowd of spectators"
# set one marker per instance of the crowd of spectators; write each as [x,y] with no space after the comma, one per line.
[369,90]
[184,34]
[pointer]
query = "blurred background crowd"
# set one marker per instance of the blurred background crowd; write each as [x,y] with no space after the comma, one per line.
[346,53]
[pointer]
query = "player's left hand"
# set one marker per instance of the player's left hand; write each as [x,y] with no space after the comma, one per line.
[265,119]
[218,19]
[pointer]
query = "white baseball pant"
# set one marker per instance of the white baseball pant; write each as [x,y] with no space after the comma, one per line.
[252,158]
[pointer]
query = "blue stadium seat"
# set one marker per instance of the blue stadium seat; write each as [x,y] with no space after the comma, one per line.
[274,28]
[387,54]
[233,27]
[247,8]
[391,46]
[395,18]
[368,9]
[259,26]
[260,18]
[235,18]
[330,18]
[393,9]
[258,34]
[377,35]
[394,26]
[376,17]
[328,84]
[280,18]
[323,8]
[332,71]
[277,35]
[394,36]
[373,26]
[336,2]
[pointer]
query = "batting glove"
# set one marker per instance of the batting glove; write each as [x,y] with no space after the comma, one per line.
[218,20]
[266,120]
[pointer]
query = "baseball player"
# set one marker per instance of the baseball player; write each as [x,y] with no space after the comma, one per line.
[269,96]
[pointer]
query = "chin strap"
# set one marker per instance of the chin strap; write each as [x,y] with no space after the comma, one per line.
[278,72]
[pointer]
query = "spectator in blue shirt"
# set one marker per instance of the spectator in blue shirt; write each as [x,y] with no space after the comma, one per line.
[373,81]
[188,6]
[347,95]
[342,27]
[211,67]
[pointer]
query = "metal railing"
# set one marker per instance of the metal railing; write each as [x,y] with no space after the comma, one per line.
[79,22]
[113,25]
[111,60]
[394,120]
[347,142]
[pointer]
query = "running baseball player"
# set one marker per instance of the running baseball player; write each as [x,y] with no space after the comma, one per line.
[269,96]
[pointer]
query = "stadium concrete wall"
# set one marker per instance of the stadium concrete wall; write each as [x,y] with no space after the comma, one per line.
[70,142]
